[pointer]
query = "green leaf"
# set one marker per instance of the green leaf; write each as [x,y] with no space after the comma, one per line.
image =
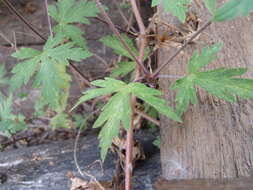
[108,85]
[207,55]
[186,94]
[49,68]
[60,120]
[112,42]
[117,112]
[25,53]
[155,3]
[210,5]
[3,80]
[113,120]
[68,12]
[152,97]
[10,123]
[232,9]
[218,82]
[23,72]
[157,142]
[177,8]
[152,113]
[122,69]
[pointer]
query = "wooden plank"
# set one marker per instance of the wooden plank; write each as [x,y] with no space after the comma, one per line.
[205,184]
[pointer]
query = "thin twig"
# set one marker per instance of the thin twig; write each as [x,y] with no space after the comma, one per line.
[15,40]
[48,19]
[24,44]
[84,173]
[13,10]
[7,40]
[120,12]
[147,117]
[158,70]
[118,35]
[102,60]
[170,76]
[118,27]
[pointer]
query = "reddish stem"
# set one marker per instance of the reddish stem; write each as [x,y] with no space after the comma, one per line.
[129,147]
[118,35]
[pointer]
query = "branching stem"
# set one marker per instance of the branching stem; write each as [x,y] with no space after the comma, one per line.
[158,70]
[118,35]
[17,14]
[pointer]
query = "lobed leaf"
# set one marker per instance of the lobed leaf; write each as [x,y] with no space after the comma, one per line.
[210,5]
[232,9]
[10,123]
[177,8]
[218,82]
[112,120]
[117,112]
[49,68]
[68,12]
[3,80]
[151,97]
[122,69]
[207,55]
[112,42]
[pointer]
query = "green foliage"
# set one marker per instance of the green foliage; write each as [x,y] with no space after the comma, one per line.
[60,120]
[219,82]
[211,5]
[3,80]
[112,42]
[157,142]
[10,123]
[232,9]
[79,121]
[49,67]
[117,112]
[125,5]
[124,67]
[68,12]
[177,8]
[152,113]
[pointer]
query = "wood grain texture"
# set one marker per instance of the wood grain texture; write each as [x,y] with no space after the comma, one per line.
[200,184]
[216,138]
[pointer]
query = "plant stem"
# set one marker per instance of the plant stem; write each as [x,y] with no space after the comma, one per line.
[129,140]
[116,32]
[147,117]
[158,70]
[13,10]
[132,33]
[48,19]
[17,14]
